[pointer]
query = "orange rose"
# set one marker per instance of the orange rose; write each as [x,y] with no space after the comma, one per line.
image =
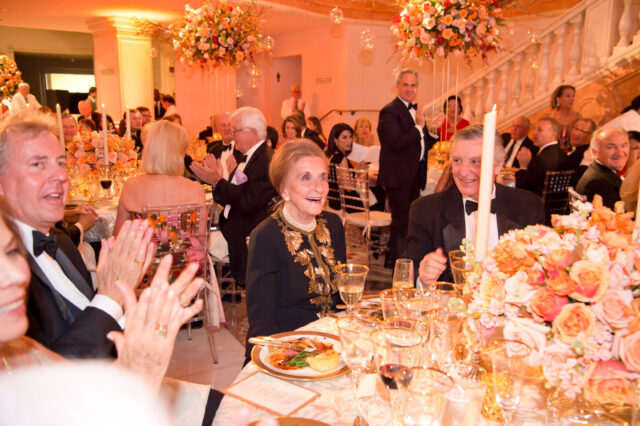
[592,279]
[546,304]
[607,382]
[562,285]
[447,33]
[574,322]
[447,20]
[615,240]
[463,13]
[92,158]
[557,259]
[628,349]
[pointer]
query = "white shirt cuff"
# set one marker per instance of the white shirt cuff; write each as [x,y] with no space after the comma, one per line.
[109,306]
[418,284]
[79,226]
[420,130]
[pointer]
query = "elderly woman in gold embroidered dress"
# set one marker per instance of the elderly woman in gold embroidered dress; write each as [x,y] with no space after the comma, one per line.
[292,253]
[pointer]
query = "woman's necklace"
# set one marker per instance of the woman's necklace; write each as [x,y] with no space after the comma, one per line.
[308,227]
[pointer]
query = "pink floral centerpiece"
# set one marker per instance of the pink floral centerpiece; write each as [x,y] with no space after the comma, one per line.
[430,28]
[10,77]
[86,151]
[218,34]
[568,292]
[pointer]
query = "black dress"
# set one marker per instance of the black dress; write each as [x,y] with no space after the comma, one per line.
[290,273]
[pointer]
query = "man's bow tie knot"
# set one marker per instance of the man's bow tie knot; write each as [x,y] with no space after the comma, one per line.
[471,206]
[412,106]
[226,147]
[243,159]
[43,242]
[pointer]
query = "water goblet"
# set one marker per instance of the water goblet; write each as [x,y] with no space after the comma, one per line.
[351,279]
[455,255]
[423,395]
[403,274]
[460,269]
[506,360]
[464,400]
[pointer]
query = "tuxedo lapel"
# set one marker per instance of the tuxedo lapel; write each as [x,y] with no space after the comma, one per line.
[73,274]
[505,215]
[60,302]
[454,231]
[404,113]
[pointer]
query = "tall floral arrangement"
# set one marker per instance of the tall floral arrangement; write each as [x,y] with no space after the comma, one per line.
[568,292]
[430,28]
[87,151]
[10,77]
[219,34]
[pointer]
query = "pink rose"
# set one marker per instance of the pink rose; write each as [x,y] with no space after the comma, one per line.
[626,346]
[575,322]
[592,279]
[113,156]
[615,308]
[607,382]
[123,157]
[518,289]
[528,332]
[547,305]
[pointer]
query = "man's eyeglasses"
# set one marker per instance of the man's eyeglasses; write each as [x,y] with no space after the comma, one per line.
[582,130]
[234,131]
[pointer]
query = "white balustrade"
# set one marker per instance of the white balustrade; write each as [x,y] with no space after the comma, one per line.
[558,63]
[504,89]
[576,49]
[624,26]
[515,88]
[479,91]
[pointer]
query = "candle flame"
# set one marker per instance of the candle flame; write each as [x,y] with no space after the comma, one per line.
[494,108]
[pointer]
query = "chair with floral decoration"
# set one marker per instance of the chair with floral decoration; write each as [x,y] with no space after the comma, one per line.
[182,231]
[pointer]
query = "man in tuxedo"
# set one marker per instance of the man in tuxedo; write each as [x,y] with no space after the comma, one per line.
[145,115]
[517,139]
[550,157]
[439,222]
[610,148]
[305,132]
[404,143]
[581,133]
[69,128]
[136,127]
[222,149]
[65,313]
[248,193]
[295,103]
[158,108]
[84,108]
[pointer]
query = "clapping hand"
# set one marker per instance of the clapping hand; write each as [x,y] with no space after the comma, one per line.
[432,266]
[524,157]
[231,163]
[435,123]
[210,171]
[125,258]
[154,320]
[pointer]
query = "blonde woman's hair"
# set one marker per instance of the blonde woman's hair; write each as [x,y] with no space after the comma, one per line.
[164,149]
[288,155]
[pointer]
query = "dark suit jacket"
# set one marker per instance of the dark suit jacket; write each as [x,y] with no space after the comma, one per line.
[313,136]
[400,146]
[601,180]
[250,202]
[437,220]
[550,159]
[526,143]
[58,324]
[573,163]
[215,148]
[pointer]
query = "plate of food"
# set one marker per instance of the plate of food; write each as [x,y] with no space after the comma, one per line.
[307,355]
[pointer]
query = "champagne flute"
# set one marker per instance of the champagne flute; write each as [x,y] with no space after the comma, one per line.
[351,279]
[403,274]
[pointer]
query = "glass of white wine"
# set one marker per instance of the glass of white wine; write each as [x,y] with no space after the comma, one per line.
[351,278]
[403,274]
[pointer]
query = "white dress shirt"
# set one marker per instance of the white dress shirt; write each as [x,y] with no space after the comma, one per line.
[413,115]
[223,158]
[287,108]
[240,168]
[18,102]
[62,284]
[172,110]
[514,152]
[470,221]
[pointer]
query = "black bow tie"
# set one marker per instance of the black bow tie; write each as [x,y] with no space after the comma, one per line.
[471,206]
[412,106]
[243,159]
[43,242]
[226,147]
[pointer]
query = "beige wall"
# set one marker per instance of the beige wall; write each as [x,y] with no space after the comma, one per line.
[14,39]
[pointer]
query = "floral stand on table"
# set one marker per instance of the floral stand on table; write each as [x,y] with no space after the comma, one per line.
[567,292]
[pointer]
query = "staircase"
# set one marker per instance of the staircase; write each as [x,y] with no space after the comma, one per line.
[592,40]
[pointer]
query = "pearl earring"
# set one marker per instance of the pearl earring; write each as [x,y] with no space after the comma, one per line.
[286,198]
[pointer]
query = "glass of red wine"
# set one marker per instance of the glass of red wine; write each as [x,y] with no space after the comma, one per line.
[106,179]
[396,350]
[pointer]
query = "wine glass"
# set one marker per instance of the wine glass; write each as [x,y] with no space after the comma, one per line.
[106,179]
[396,349]
[356,350]
[351,279]
[403,274]
[392,299]
[506,361]
[460,269]
[423,395]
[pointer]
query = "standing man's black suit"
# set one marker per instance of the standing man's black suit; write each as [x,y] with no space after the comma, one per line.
[402,171]
[550,159]
[250,202]
[601,180]
[57,323]
[437,220]
[526,143]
